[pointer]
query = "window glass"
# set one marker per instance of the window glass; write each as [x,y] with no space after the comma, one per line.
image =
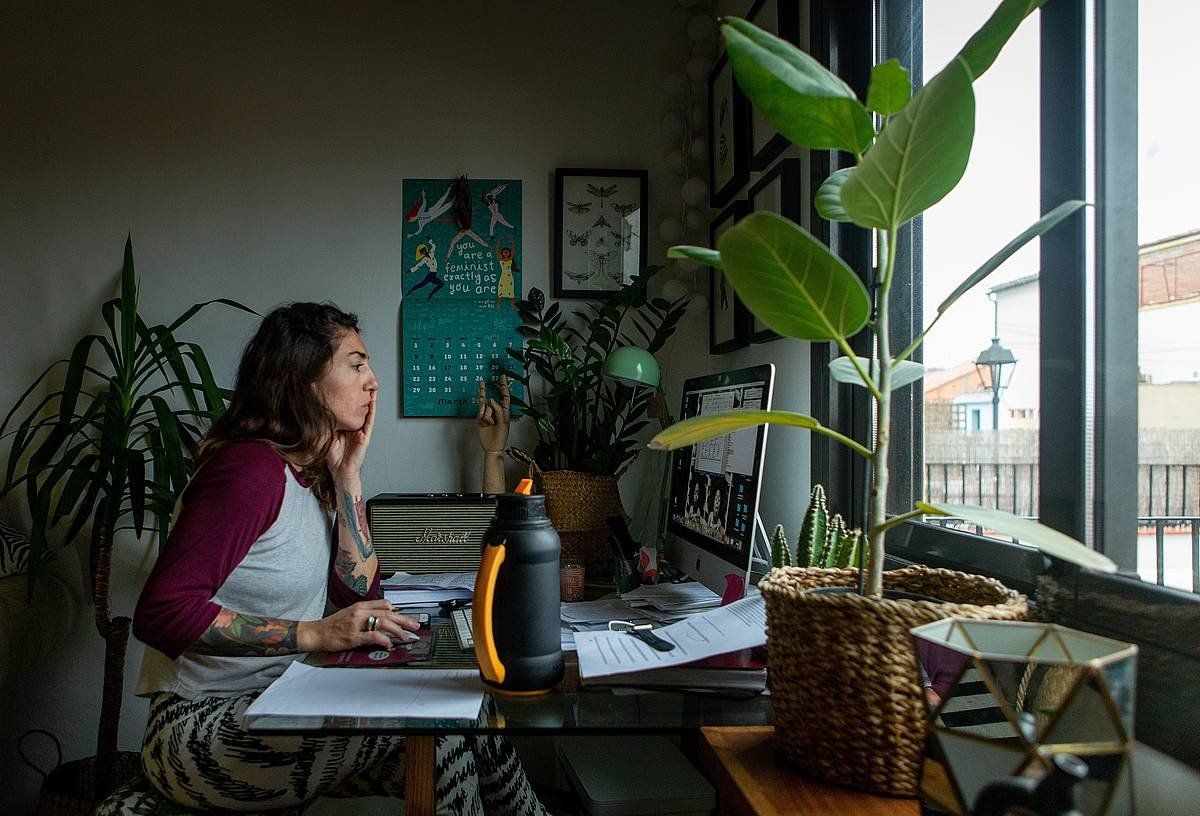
[1168,294]
[981,387]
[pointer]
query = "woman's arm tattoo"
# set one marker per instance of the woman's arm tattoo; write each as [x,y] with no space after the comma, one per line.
[233,633]
[354,516]
[343,567]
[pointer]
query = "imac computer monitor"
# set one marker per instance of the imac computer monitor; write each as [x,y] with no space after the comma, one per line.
[713,499]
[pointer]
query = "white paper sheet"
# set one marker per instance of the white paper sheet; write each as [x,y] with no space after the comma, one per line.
[596,611]
[306,691]
[673,597]
[729,628]
[442,579]
[423,595]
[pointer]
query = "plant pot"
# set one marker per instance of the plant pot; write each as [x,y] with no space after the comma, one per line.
[578,504]
[849,708]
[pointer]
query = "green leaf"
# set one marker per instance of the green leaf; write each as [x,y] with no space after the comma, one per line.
[903,373]
[191,312]
[799,96]
[73,489]
[791,281]
[214,400]
[704,255]
[73,381]
[828,200]
[701,428]
[136,467]
[129,307]
[1043,225]
[1050,541]
[172,445]
[984,46]
[890,88]
[919,156]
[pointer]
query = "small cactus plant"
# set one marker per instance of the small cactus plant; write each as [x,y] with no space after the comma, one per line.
[823,541]
[813,529]
[781,553]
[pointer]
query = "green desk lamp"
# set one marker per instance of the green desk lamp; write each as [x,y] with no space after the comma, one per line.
[633,366]
[637,368]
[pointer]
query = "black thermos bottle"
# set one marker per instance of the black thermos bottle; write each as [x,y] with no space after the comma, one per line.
[515,614]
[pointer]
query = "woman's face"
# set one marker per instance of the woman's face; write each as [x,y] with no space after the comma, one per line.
[717,502]
[348,385]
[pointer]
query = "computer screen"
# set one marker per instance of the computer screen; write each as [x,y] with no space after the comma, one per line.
[713,499]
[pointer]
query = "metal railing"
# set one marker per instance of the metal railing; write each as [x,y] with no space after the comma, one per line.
[1162,527]
[1010,486]
[1176,524]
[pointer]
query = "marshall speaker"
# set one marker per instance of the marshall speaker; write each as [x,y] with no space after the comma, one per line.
[429,532]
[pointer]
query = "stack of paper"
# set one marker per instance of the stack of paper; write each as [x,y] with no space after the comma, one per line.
[681,597]
[617,657]
[422,593]
[307,691]
[737,671]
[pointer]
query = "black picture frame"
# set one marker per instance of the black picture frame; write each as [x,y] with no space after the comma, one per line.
[728,134]
[599,236]
[765,143]
[779,190]
[728,327]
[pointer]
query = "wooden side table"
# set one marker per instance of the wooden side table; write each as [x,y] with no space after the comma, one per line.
[751,779]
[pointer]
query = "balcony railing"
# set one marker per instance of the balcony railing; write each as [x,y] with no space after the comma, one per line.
[1168,504]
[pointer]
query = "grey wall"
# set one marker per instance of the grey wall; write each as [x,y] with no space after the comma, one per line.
[255,151]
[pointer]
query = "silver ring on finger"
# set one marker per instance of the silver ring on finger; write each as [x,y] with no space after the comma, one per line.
[372,622]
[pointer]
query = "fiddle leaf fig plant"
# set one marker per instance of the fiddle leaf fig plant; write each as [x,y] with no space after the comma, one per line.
[797,286]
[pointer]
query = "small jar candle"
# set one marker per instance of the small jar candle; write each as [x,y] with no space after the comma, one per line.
[570,581]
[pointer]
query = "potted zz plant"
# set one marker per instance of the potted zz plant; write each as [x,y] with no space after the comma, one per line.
[588,424]
[112,446]
[847,698]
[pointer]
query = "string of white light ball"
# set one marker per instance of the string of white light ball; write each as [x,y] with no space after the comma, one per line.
[685,125]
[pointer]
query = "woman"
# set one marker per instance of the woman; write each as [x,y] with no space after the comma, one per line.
[426,256]
[271,526]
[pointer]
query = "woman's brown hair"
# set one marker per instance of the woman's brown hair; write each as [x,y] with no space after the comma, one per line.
[274,400]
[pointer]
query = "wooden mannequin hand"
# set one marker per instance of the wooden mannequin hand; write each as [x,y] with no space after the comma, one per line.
[493,417]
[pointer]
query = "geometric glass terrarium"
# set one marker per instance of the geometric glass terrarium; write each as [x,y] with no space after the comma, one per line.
[1005,697]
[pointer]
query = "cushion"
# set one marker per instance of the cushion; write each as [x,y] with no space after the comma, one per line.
[14,551]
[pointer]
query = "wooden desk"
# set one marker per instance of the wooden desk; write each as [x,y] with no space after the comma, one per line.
[752,779]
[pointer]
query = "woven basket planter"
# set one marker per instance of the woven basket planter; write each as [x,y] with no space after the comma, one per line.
[578,504]
[848,703]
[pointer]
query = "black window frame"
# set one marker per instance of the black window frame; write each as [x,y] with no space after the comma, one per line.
[1162,621]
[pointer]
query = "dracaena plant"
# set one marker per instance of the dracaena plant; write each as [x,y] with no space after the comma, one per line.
[584,421]
[800,288]
[112,446]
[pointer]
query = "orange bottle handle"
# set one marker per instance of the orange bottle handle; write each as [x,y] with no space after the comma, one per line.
[481,614]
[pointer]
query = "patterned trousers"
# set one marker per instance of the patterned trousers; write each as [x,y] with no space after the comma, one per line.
[199,754]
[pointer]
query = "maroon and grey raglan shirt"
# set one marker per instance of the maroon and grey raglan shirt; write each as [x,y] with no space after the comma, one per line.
[250,537]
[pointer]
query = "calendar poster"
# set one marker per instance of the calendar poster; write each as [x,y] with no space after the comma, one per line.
[461,276]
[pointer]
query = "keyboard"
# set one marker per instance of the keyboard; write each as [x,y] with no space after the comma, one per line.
[461,618]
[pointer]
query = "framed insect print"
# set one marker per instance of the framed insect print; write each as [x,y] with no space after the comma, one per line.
[728,134]
[728,319]
[783,19]
[599,235]
[779,190]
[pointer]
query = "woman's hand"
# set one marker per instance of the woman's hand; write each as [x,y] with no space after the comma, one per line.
[349,628]
[349,448]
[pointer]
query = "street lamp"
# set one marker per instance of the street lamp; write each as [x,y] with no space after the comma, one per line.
[994,358]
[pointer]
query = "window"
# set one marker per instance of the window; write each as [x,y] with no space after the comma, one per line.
[1090,310]
[1168,299]
[990,457]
